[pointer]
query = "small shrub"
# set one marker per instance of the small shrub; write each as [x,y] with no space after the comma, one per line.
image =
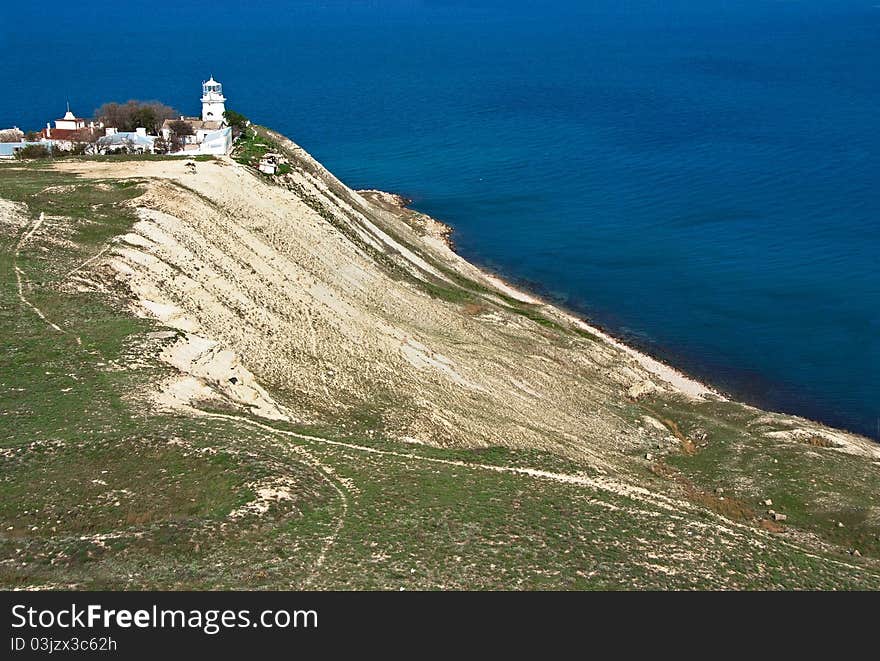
[33,151]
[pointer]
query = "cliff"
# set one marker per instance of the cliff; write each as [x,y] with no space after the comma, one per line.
[312,362]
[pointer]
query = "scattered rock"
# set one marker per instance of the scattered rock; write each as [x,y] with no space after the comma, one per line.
[637,390]
[856,553]
[162,335]
[719,491]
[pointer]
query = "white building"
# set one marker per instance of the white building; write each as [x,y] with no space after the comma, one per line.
[128,142]
[210,134]
[68,131]
[200,129]
[70,122]
[269,163]
[218,143]
[9,150]
[213,101]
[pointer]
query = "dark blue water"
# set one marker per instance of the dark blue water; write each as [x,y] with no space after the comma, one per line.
[702,180]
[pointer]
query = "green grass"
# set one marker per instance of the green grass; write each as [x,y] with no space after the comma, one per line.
[421,526]
[252,145]
[815,487]
[82,455]
[98,489]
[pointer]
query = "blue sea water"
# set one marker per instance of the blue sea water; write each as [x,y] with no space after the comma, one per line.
[701,178]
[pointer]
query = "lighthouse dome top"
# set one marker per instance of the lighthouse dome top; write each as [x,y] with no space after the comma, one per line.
[211,86]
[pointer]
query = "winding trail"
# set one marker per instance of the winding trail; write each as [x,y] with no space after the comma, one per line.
[91,259]
[20,278]
[603,484]
[29,233]
[327,474]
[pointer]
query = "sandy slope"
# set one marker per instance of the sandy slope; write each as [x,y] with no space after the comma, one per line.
[310,302]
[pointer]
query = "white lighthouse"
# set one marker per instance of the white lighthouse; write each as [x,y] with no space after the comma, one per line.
[213,101]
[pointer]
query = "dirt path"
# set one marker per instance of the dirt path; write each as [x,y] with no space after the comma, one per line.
[672,506]
[91,259]
[21,278]
[327,474]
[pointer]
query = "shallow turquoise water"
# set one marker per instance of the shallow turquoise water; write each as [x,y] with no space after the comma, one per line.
[702,181]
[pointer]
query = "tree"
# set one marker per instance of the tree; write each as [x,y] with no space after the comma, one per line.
[11,135]
[145,117]
[84,141]
[161,145]
[135,114]
[112,115]
[177,143]
[80,149]
[237,121]
[180,127]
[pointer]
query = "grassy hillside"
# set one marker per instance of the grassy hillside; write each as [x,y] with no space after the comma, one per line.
[361,484]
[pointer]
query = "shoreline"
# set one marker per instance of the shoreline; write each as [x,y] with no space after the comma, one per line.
[671,377]
[674,377]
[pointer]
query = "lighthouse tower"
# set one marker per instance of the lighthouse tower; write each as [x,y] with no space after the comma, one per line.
[213,101]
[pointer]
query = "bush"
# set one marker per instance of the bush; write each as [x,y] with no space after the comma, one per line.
[161,145]
[78,149]
[33,151]
[237,121]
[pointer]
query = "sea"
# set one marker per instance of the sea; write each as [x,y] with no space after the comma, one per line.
[701,179]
